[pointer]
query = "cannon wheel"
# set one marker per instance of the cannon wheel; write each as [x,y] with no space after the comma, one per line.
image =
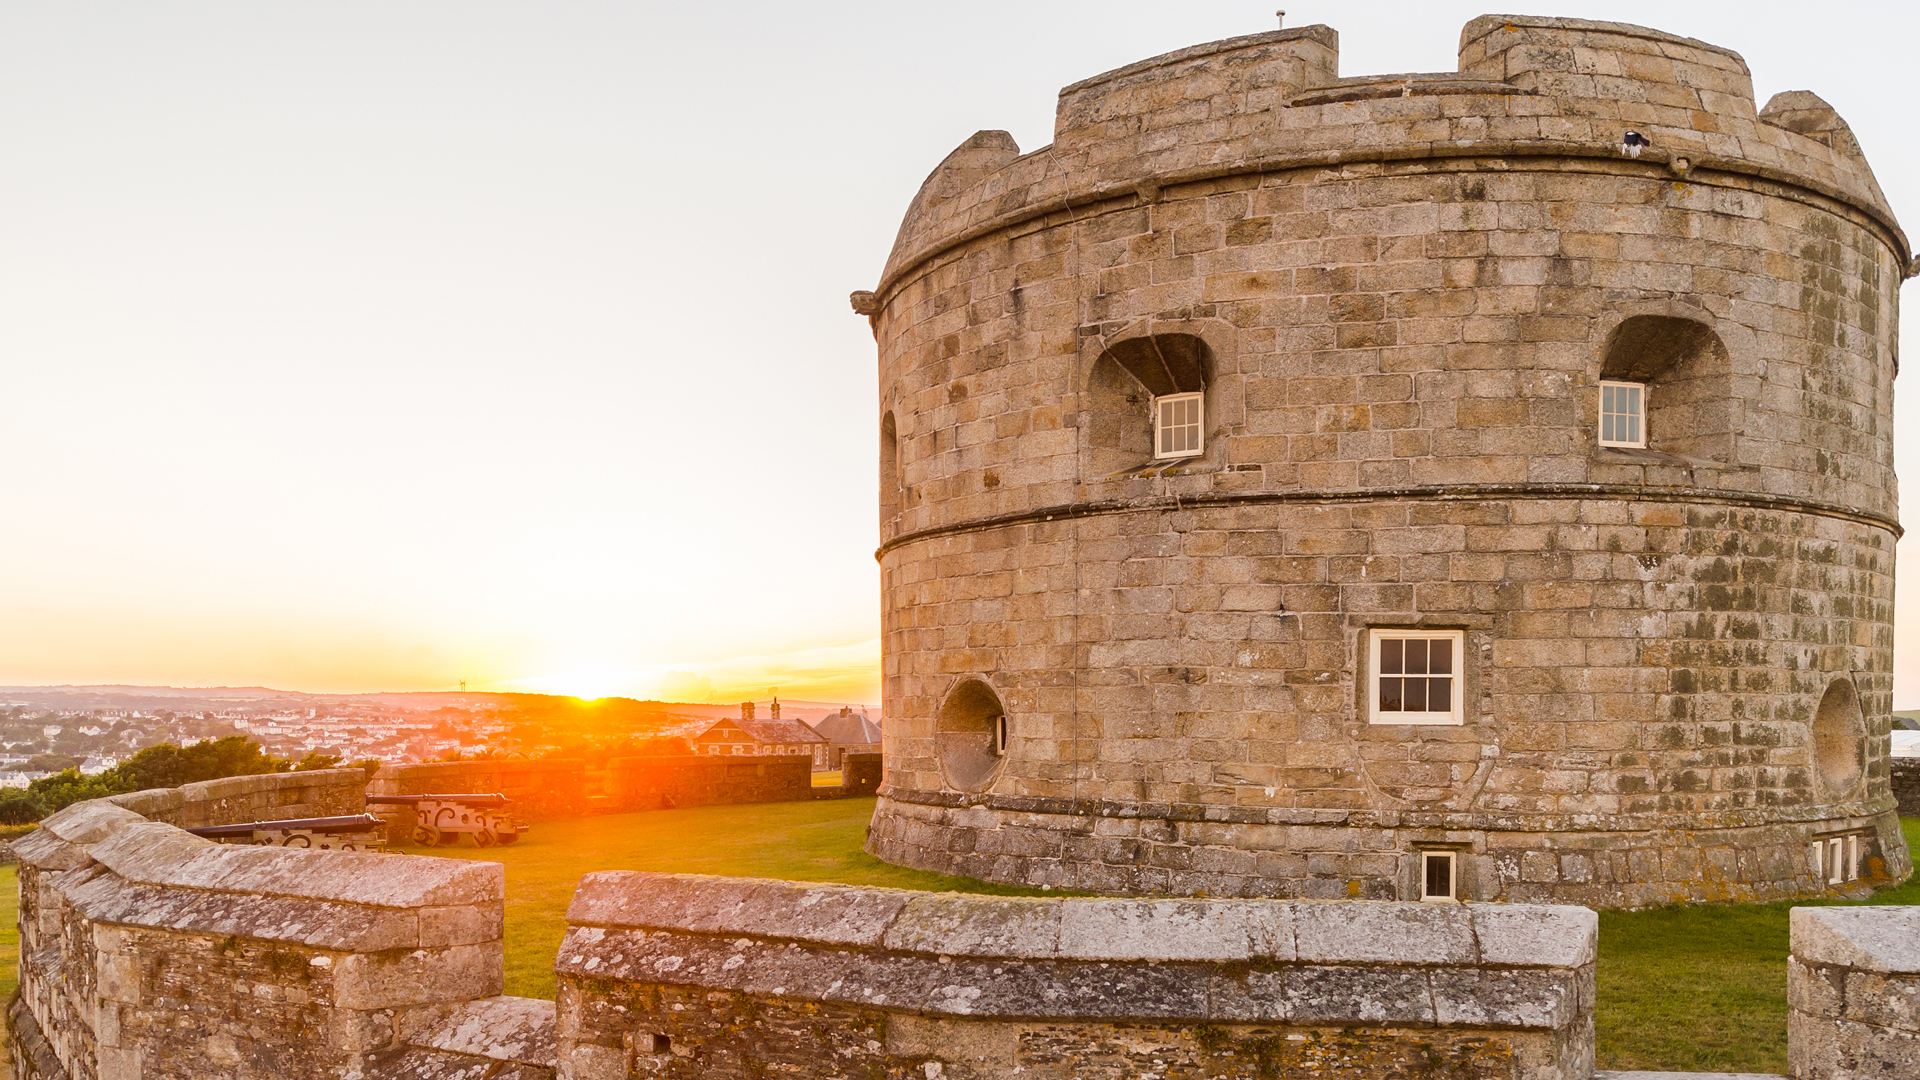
[509,837]
[485,837]
[426,836]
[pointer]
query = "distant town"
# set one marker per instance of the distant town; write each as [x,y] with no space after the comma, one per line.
[47,730]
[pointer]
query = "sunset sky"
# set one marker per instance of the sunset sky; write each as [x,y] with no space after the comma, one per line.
[379,346]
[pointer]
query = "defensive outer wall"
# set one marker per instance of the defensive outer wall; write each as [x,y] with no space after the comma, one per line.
[1398,295]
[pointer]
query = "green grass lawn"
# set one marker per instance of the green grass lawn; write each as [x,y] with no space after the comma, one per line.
[9,940]
[803,841]
[1703,988]
[1700,988]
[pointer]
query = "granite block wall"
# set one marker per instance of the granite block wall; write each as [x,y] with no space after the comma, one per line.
[1853,985]
[683,976]
[1904,777]
[541,788]
[860,773]
[656,783]
[151,954]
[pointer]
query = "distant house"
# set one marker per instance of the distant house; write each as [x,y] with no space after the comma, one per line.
[848,731]
[748,735]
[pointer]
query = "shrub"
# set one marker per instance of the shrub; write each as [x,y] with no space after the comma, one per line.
[61,790]
[18,807]
[167,765]
[316,760]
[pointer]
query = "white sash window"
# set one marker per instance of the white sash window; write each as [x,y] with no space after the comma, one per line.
[1177,422]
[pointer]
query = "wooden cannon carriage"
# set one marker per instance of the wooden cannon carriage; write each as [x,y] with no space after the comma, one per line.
[440,819]
[353,832]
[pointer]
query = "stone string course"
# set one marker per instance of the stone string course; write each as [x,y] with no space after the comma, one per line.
[684,976]
[1406,288]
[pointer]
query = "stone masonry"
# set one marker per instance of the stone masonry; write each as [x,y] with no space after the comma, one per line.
[1853,983]
[681,976]
[147,953]
[1905,773]
[1397,296]
[540,788]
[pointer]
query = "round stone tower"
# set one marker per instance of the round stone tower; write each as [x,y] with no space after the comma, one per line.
[1469,485]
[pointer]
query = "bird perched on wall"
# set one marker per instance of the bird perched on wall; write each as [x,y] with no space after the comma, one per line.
[1633,142]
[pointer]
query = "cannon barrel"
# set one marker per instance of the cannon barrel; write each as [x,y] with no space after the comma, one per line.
[351,823]
[472,799]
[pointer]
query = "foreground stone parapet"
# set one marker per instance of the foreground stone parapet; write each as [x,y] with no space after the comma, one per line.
[150,953]
[685,976]
[1853,983]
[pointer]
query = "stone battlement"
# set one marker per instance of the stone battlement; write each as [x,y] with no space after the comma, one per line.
[1525,86]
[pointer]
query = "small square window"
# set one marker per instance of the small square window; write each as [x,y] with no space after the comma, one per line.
[1414,676]
[1623,414]
[1437,878]
[1177,424]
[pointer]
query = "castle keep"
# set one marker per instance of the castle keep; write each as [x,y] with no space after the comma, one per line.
[1474,484]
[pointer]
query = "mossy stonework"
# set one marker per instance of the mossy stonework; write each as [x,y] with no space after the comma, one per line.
[1396,298]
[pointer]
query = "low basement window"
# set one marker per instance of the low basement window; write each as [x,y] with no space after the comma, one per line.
[1439,879]
[1836,859]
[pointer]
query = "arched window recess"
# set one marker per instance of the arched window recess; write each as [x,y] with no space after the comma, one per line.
[1666,385]
[1148,402]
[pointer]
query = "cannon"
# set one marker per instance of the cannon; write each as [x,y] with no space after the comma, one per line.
[440,819]
[347,833]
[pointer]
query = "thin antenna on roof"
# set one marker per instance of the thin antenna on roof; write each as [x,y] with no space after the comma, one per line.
[1282,16]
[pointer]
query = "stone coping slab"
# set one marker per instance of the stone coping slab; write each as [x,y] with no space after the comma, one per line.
[1113,930]
[498,1028]
[1050,989]
[1880,938]
[1613,1074]
[155,854]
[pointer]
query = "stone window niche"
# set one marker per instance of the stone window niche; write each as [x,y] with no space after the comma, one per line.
[1686,376]
[972,736]
[1125,392]
[1839,740]
[889,469]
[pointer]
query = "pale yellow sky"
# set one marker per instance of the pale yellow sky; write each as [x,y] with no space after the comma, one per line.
[369,346]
